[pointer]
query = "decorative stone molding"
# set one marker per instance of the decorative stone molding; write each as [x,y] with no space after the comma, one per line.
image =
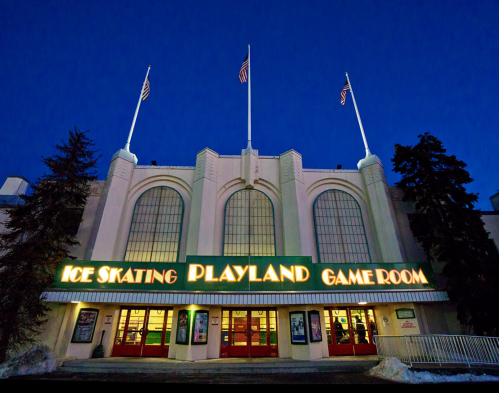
[96,187]
[121,168]
[374,173]
[206,165]
[291,167]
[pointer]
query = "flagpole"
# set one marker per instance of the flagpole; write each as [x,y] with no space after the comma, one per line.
[127,146]
[368,153]
[249,100]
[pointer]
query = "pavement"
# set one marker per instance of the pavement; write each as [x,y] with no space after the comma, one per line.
[131,373]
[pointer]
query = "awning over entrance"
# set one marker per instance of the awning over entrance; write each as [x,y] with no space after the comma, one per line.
[245,298]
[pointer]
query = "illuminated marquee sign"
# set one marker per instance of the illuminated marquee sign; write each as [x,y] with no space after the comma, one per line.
[218,273]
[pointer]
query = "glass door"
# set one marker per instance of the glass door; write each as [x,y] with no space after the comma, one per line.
[143,331]
[350,331]
[249,332]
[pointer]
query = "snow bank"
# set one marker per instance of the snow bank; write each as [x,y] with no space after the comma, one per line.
[394,370]
[36,360]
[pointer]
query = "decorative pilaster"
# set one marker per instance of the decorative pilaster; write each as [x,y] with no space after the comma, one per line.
[249,167]
[293,203]
[383,213]
[204,197]
[108,222]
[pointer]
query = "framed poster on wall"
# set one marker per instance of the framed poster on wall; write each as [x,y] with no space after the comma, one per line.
[314,322]
[184,319]
[298,327]
[200,328]
[85,326]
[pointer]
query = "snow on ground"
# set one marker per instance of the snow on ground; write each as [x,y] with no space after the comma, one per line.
[394,370]
[36,360]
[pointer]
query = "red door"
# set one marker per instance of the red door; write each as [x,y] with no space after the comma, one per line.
[350,331]
[249,332]
[143,331]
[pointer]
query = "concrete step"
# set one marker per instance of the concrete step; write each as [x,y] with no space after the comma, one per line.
[216,366]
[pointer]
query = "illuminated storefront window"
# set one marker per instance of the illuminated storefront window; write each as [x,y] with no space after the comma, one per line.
[341,237]
[156,226]
[249,224]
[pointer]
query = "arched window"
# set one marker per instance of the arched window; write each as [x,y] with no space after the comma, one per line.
[156,226]
[341,237]
[249,224]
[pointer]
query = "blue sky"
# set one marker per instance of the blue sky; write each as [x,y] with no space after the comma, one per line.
[415,66]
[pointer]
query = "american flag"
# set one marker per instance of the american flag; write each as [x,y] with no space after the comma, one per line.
[243,74]
[145,90]
[344,92]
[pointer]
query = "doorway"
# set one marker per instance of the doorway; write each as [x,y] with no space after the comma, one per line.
[249,332]
[350,331]
[143,331]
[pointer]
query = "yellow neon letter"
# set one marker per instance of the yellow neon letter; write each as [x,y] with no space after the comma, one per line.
[170,276]
[328,277]
[209,274]
[227,274]
[392,277]
[406,277]
[253,274]
[341,279]
[289,274]
[65,274]
[193,272]
[138,277]
[115,273]
[299,273]
[417,277]
[271,274]
[74,272]
[354,278]
[366,274]
[103,274]
[382,276]
[240,271]
[85,274]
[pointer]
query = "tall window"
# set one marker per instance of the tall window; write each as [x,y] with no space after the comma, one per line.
[249,224]
[341,237]
[156,226]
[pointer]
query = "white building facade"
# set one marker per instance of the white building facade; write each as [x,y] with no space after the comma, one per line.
[243,255]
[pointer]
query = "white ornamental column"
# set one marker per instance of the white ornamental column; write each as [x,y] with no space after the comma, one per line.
[293,204]
[108,223]
[385,222]
[201,232]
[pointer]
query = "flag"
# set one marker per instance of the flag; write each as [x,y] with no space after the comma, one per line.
[145,89]
[243,74]
[344,92]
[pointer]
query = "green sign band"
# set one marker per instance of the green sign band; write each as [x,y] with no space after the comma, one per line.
[221,273]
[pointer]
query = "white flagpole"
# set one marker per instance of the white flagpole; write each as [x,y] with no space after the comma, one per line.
[368,153]
[249,100]
[127,146]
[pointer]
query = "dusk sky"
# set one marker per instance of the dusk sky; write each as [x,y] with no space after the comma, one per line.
[414,66]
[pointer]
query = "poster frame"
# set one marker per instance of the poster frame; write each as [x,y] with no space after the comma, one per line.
[310,313]
[196,312]
[187,336]
[73,338]
[305,336]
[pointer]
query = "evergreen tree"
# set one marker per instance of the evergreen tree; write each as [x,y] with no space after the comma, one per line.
[37,238]
[454,232]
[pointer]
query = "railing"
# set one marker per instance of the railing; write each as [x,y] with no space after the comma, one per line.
[439,349]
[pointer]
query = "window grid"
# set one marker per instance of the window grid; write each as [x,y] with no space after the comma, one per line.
[156,226]
[341,236]
[249,225]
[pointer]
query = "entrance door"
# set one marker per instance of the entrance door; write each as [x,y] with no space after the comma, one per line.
[143,331]
[350,331]
[249,332]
